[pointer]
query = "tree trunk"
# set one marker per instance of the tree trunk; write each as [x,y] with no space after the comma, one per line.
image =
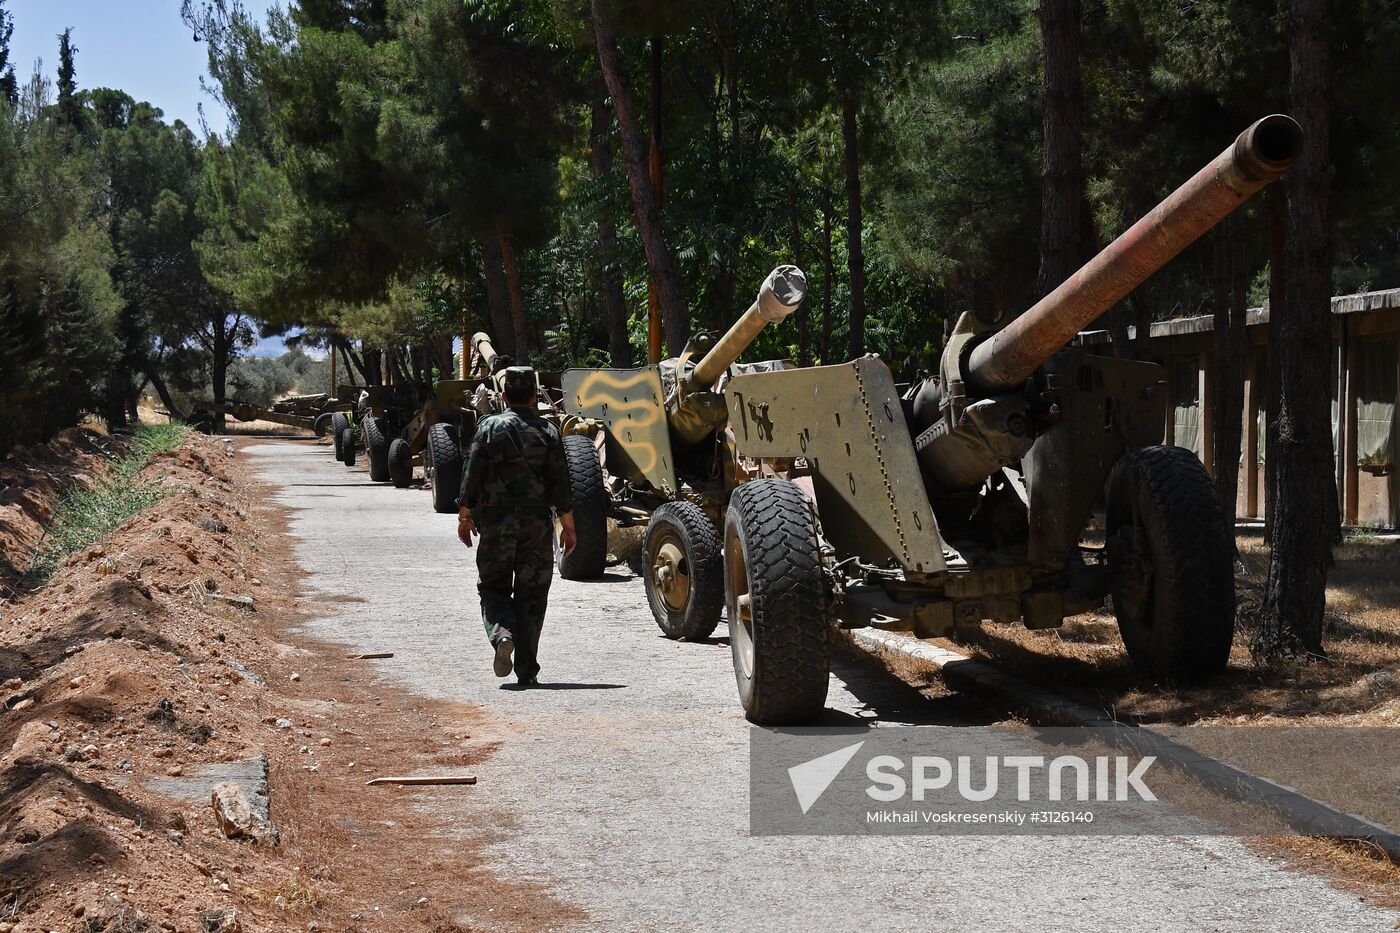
[660,263]
[828,271]
[1300,537]
[517,300]
[497,299]
[374,370]
[1231,358]
[219,370]
[609,274]
[353,363]
[1276,205]
[804,336]
[850,141]
[163,391]
[655,169]
[1061,170]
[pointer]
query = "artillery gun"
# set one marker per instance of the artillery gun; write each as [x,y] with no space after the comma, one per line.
[965,498]
[436,434]
[650,445]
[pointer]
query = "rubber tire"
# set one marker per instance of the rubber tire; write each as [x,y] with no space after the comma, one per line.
[347,447]
[338,425]
[771,539]
[446,455]
[322,425]
[400,463]
[1186,633]
[591,500]
[376,437]
[700,543]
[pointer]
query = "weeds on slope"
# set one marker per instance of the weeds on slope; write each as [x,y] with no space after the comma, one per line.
[86,516]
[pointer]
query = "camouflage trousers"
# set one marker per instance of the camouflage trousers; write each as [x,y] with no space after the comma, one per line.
[515,566]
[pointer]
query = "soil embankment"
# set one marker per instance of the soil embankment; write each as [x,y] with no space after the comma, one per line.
[159,664]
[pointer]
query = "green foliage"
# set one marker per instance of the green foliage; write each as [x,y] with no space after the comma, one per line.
[380,143]
[9,87]
[87,515]
[57,305]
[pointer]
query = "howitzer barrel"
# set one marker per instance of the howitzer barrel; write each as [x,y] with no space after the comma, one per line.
[481,343]
[1259,156]
[781,294]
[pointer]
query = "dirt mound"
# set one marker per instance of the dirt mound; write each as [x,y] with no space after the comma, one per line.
[155,666]
[32,480]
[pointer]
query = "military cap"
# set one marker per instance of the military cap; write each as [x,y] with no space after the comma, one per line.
[520,378]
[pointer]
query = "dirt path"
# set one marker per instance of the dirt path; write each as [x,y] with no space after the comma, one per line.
[626,783]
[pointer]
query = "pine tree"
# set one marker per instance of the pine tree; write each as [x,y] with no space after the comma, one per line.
[9,88]
[70,109]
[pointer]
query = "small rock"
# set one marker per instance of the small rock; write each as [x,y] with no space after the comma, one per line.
[212,525]
[22,704]
[324,742]
[161,753]
[72,753]
[31,743]
[79,910]
[175,835]
[14,683]
[27,835]
[175,771]
[124,764]
[279,902]
[295,678]
[90,752]
[233,812]
[285,724]
[97,858]
[312,927]
[106,566]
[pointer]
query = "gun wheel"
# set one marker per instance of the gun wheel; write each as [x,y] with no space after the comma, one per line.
[377,448]
[347,446]
[1169,548]
[338,425]
[684,572]
[775,596]
[590,496]
[322,425]
[400,463]
[444,459]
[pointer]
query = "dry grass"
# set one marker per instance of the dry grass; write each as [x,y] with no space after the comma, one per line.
[1353,865]
[1358,684]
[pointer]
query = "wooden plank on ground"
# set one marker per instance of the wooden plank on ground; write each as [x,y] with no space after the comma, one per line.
[415,780]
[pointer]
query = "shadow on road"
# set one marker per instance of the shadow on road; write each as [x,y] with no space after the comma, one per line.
[886,699]
[564,686]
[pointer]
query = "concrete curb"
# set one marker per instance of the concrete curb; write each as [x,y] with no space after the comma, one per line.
[1306,815]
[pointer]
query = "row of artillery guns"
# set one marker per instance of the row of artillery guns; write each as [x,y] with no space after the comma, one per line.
[400,428]
[791,499]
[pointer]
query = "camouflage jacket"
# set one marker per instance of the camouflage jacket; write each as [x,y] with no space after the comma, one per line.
[516,464]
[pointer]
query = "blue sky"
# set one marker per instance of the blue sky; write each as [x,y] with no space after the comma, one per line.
[139,46]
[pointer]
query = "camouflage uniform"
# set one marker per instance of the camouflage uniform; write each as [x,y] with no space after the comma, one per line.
[514,481]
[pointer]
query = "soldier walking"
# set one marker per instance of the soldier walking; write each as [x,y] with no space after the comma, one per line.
[515,481]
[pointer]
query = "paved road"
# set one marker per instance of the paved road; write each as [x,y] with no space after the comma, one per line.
[626,785]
